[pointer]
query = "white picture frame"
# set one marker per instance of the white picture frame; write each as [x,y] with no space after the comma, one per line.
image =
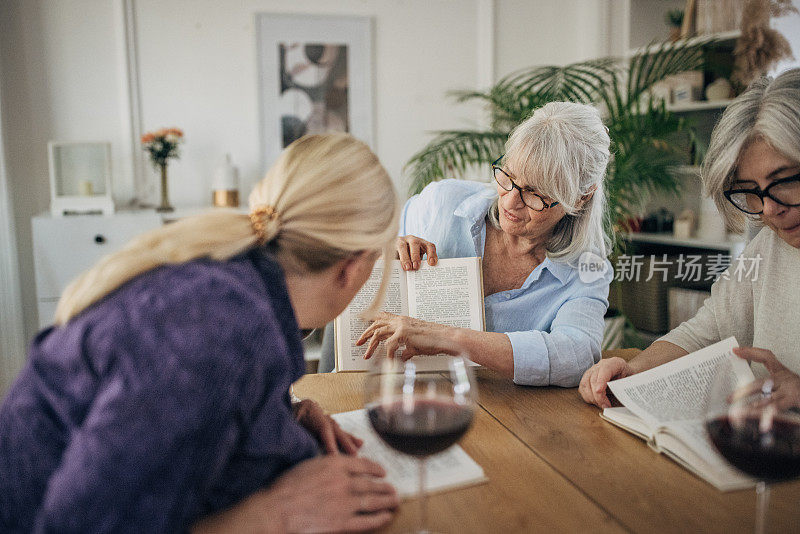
[287,70]
[80,178]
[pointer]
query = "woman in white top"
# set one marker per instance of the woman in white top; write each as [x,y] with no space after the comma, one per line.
[751,170]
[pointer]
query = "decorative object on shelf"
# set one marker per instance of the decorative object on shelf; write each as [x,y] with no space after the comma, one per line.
[688,27]
[644,134]
[760,46]
[717,16]
[315,74]
[674,18]
[80,178]
[162,145]
[686,86]
[684,225]
[660,221]
[225,188]
[719,89]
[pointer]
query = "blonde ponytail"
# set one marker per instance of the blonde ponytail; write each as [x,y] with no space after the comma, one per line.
[325,198]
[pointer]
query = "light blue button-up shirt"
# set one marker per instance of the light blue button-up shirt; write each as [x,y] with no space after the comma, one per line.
[554,321]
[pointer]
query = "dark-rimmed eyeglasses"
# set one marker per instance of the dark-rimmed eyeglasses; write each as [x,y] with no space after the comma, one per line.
[785,192]
[529,197]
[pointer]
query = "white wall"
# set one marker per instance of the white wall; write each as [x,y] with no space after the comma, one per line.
[789,26]
[199,71]
[12,345]
[547,32]
[64,79]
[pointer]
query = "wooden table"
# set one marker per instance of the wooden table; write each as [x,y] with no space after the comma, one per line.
[555,466]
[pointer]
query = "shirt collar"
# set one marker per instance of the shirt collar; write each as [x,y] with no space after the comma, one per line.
[474,207]
[559,269]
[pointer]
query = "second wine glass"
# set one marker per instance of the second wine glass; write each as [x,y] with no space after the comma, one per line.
[754,435]
[420,413]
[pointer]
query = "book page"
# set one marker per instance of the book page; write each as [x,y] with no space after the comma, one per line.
[450,469]
[677,391]
[349,326]
[449,293]
[689,445]
[624,418]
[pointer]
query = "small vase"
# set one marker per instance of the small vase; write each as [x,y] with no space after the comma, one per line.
[674,33]
[164,206]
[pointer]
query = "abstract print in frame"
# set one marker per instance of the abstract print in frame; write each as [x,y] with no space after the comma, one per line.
[314,76]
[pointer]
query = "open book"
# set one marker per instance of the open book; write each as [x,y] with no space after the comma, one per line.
[450,469]
[665,406]
[449,293]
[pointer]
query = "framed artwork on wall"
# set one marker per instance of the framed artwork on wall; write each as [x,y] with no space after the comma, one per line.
[315,75]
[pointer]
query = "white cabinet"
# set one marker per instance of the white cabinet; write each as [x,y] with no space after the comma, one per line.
[64,247]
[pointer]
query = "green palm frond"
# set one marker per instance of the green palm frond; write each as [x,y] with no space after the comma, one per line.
[451,153]
[578,82]
[647,140]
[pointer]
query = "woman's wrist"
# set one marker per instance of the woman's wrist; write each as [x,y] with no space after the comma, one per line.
[457,342]
[261,510]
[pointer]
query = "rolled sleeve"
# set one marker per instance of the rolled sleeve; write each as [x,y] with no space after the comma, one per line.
[571,345]
[561,356]
[531,362]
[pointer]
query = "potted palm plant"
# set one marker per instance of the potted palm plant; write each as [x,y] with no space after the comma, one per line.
[648,142]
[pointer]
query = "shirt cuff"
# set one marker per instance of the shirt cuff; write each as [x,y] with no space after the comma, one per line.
[531,362]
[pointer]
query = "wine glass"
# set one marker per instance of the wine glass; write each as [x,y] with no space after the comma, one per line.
[420,413]
[754,435]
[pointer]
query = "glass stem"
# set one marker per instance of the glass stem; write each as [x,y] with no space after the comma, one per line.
[762,504]
[423,498]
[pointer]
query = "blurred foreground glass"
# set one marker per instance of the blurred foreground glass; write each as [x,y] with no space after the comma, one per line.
[754,436]
[420,413]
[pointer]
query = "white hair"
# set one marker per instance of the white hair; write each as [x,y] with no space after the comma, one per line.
[562,151]
[331,198]
[769,110]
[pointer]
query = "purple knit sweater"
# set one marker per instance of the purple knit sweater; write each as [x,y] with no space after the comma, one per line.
[166,401]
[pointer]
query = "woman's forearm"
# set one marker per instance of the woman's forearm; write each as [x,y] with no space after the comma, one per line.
[656,354]
[489,349]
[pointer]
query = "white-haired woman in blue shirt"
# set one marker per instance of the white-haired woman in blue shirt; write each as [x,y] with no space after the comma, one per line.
[541,218]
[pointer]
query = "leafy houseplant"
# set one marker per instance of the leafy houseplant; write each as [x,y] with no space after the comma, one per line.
[647,141]
[162,145]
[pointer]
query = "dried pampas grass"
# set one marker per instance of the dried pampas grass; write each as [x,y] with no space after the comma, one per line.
[759,46]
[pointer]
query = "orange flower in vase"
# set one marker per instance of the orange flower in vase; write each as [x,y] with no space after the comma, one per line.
[162,145]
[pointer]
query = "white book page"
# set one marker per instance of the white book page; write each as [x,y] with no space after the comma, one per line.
[677,391]
[349,326]
[691,447]
[449,469]
[448,293]
[624,418]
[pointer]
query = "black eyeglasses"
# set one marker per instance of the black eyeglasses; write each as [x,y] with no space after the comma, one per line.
[531,199]
[785,192]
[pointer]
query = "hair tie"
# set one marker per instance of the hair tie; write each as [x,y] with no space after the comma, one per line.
[257,220]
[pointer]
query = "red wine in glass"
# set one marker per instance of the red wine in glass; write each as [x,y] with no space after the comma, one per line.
[420,427]
[420,413]
[772,455]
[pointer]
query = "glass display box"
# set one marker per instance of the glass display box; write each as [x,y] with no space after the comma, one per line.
[80,178]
